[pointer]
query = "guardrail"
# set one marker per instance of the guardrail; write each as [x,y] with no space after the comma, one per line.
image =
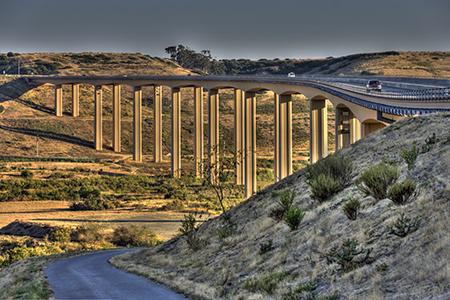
[435,94]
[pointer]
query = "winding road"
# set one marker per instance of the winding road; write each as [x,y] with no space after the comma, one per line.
[90,276]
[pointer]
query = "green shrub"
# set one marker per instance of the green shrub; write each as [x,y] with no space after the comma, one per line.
[61,234]
[324,186]
[410,156]
[429,142]
[189,230]
[267,283]
[26,174]
[351,208]
[265,247]
[285,201]
[338,167]
[376,180]
[329,176]
[134,236]
[94,201]
[91,233]
[349,256]
[401,192]
[293,217]
[404,225]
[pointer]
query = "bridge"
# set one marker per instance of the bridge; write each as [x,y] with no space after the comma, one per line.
[358,113]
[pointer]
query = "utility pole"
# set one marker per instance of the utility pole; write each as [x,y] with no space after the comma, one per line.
[37,145]
[18,66]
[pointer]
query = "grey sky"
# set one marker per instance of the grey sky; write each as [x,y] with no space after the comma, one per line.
[229,28]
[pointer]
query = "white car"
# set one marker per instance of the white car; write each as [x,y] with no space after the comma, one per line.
[291,75]
[373,85]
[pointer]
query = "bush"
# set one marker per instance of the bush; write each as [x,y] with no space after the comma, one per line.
[94,201]
[134,236]
[265,247]
[267,283]
[26,174]
[351,208]
[293,217]
[189,230]
[337,167]
[91,233]
[349,255]
[376,180]
[329,176]
[404,225]
[285,201]
[410,156]
[401,192]
[324,186]
[61,234]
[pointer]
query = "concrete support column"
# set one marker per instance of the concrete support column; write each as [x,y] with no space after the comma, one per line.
[157,123]
[137,124]
[239,96]
[250,184]
[58,100]
[342,128]
[318,144]
[176,133]
[355,129]
[75,100]
[213,134]
[117,118]
[198,131]
[98,118]
[283,137]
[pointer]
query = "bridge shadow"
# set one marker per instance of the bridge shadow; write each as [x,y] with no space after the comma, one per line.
[35,106]
[49,135]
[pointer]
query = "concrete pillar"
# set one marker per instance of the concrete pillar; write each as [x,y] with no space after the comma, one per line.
[157,123]
[239,96]
[117,118]
[283,137]
[250,184]
[355,129]
[342,127]
[318,144]
[198,131]
[75,100]
[58,100]
[369,127]
[98,118]
[137,124]
[213,134]
[176,133]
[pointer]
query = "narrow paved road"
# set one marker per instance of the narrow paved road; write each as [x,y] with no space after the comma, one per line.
[90,276]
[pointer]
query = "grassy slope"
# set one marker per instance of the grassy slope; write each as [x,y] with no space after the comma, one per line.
[418,64]
[415,266]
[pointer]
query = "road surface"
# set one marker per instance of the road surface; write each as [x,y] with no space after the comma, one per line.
[90,276]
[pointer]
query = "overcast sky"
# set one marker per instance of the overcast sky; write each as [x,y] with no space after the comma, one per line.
[229,28]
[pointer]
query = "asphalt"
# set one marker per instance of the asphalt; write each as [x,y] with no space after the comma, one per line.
[90,276]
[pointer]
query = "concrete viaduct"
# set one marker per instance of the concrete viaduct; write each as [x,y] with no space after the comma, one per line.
[358,113]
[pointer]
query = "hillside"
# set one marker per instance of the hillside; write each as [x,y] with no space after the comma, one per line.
[249,254]
[391,63]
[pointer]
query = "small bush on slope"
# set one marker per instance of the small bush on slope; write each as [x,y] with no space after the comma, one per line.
[293,217]
[351,208]
[189,230]
[349,256]
[376,180]
[329,176]
[401,192]
[404,225]
[410,156]
[267,283]
[285,201]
